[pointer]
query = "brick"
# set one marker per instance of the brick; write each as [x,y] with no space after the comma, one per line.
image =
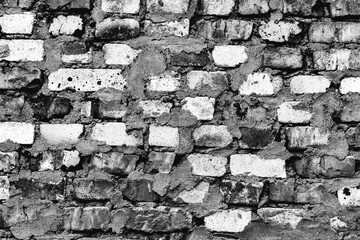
[335,59]
[110,109]
[229,55]
[350,85]
[140,190]
[148,219]
[307,84]
[349,196]
[22,50]
[4,188]
[231,29]
[280,31]
[61,133]
[217,7]
[115,134]
[86,219]
[253,165]
[154,108]
[190,59]
[121,6]
[205,83]
[256,138]
[334,32]
[234,220]
[22,133]
[212,136]
[93,189]
[178,28]
[294,112]
[284,217]
[117,29]
[168,6]
[160,162]
[301,8]
[166,82]
[84,58]
[344,8]
[201,107]
[66,25]
[350,112]
[303,137]
[18,78]
[283,58]
[163,136]
[196,195]
[115,162]
[27,4]
[121,54]
[207,165]
[71,158]
[8,161]
[235,192]
[21,23]
[68,4]
[262,84]
[249,7]
[338,168]
[87,80]
[10,106]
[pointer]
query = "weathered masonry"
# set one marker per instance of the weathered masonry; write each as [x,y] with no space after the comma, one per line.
[180,119]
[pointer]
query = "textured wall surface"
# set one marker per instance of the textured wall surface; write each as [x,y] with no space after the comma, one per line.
[179,119]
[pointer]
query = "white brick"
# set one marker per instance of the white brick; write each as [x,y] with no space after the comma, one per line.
[179,28]
[86,79]
[71,158]
[217,7]
[86,109]
[229,55]
[303,137]
[21,23]
[350,85]
[303,84]
[115,134]
[281,216]
[121,6]
[163,136]
[253,165]
[171,6]
[294,112]
[47,162]
[262,84]
[196,195]
[330,32]
[201,107]
[349,196]
[61,133]
[166,82]
[23,50]
[77,58]
[337,224]
[65,25]
[207,165]
[22,133]
[8,160]
[334,59]
[4,188]
[154,108]
[228,220]
[121,54]
[249,7]
[278,31]
[212,136]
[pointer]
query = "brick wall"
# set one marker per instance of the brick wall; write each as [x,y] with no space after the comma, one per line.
[179,119]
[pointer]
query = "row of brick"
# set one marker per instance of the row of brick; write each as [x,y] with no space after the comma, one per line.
[213,7]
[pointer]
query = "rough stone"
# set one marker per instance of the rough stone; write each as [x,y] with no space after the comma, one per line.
[283,57]
[87,219]
[241,192]
[167,6]
[121,54]
[140,190]
[262,84]
[178,28]
[217,7]
[115,162]
[281,216]
[66,25]
[279,31]
[196,195]
[228,220]
[249,7]
[93,189]
[160,162]
[303,137]
[212,136]
[201,107]
[120,6]
[117,29]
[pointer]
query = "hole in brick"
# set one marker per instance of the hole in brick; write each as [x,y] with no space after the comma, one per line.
[70,79]
[346,191]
